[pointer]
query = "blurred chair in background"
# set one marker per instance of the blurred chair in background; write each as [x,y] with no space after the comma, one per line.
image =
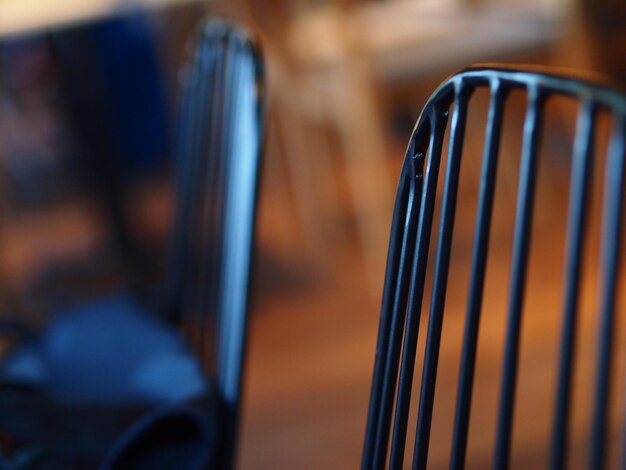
[72,392]
[114,88]
[335,60]
[332,83]
[324,128]
[409,250]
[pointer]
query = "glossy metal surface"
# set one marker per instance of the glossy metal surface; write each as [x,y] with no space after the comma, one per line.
[409,250]
[219,148]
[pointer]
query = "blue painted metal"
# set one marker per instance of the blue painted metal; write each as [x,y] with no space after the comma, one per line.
[409,244]
[219,149]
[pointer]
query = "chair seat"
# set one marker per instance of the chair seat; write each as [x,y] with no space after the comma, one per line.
[110,351]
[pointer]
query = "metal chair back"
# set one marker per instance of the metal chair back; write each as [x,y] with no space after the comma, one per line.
[409,249]
[221,123]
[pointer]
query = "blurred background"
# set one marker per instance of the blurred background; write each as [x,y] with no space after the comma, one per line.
[88,93]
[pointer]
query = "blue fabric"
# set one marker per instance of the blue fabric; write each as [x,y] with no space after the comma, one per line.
[108,351]
[168,439]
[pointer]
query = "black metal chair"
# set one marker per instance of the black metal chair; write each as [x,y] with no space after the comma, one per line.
[409,249]
[116,383]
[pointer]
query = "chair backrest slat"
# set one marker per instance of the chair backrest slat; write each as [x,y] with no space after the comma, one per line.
[442,260]
[581,177]
[493,130]
[399,243]
[609,259]
[521,248]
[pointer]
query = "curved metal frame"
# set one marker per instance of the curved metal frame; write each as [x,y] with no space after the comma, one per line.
[408,253]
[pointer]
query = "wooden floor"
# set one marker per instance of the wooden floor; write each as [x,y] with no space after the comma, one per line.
[313,332]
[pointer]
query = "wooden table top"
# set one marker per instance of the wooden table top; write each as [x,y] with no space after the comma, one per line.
[19,17]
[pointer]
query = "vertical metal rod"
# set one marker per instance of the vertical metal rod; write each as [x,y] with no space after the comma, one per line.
[209,287]
[184,170]
[236,213]
[440,283]
[397,243]
[397,324]
[202,83]
[582,168]
[438,120]
[210,161]
[612,215]
[234,203]
[396,327]
[477,276]
[521,246]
